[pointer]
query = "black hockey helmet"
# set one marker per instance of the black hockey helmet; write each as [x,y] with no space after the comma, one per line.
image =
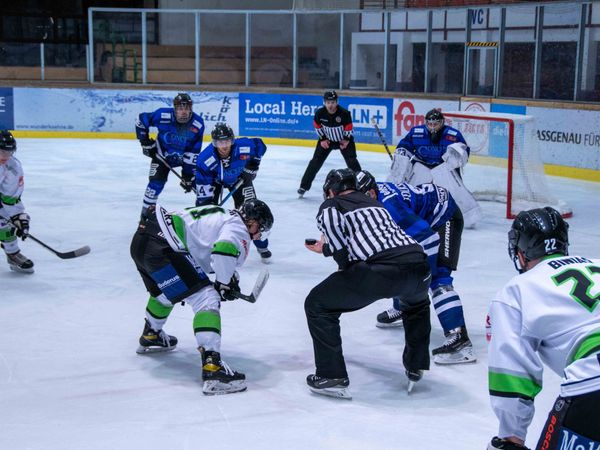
[330,95]
[339,180]
[258,210]
[7,141]
[365,182]
[182,99]
[222,132]
[434,121]
[537,233]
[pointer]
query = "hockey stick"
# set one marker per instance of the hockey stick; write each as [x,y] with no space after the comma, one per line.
[383,141]
[259,285]
[168,166]
[63,255]
[234,188]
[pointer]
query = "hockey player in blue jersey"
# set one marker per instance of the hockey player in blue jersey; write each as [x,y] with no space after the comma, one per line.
[179,141]
[429,215]
[223,164]
[435,153]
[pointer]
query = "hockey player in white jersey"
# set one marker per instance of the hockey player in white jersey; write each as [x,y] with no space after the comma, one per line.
[173,253]
[548,314]
[14,221]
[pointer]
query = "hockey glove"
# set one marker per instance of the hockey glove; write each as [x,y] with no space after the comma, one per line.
[187,182]
[325,143]
[21,224]
[227,291]
[149,147]
[503,444]
[251,170]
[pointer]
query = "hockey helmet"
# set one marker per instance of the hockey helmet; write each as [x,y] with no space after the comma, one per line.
[182,104]
[537,233]
[7,141]
[330,95]
[434,121]
[258,210]
[365,182]
[339,180]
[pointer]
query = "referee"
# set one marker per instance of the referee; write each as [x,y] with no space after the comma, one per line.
[376,260]
[333,125]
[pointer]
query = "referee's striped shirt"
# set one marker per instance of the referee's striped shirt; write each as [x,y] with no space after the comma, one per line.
[333,127]
[362,227]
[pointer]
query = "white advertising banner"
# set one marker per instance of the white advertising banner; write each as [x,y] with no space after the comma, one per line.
[411,112]
[107,110]
[568,137]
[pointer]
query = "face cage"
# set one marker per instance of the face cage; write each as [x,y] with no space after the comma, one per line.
[513,240]
[438,124]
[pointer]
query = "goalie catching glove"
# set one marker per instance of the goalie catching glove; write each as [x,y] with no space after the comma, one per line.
[228,291]
[149,147]
[21,224]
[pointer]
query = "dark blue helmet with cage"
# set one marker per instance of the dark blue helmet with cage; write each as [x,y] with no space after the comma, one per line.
[538,233]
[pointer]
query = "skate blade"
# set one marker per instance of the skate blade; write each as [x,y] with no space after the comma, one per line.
[410,386]
[141,350]
[454,358]
[397,324]
[267,260]
[216,387]
[333,392]
[20,270]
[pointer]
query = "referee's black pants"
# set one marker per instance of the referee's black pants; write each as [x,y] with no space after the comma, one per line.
[406,277]
[319,157]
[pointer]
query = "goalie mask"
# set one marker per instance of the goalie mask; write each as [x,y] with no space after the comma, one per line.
[538,233]
[182,105]
[434,121]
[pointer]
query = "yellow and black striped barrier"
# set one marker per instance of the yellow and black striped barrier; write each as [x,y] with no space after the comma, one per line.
[481,44]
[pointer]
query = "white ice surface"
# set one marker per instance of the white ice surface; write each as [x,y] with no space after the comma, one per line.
[70,377]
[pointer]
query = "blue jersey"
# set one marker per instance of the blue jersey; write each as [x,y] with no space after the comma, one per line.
[416,227]
[210,169]
[179,143]
[430,202]
[418,143]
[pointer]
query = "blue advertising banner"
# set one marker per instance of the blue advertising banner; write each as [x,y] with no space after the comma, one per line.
[6,109]
[291,116]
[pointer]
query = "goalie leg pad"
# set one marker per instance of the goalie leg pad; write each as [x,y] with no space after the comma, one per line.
[451,180]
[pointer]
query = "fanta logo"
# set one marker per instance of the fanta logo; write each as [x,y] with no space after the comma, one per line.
[406,118]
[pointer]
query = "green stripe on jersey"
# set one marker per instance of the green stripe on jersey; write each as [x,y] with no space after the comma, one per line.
[207,321]
[179,227]
[7,200]
[505,383]
[225,248]
[157,309]
[589,345]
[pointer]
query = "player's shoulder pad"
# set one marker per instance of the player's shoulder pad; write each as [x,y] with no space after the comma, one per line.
[419,129]
[197,121]
[207,157]
[165,115]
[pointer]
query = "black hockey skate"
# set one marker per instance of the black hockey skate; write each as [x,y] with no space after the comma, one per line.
[152,341]
[265,255]
[413,377]
[332,387]
[457,349]
[389,318]
[19,263]
[301,192]
[218,377]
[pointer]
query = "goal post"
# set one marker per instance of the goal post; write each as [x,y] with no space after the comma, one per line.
[512,169]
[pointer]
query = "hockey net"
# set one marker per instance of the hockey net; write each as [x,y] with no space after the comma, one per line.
[512,170]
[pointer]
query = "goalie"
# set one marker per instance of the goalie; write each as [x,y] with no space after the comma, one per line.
[436,153]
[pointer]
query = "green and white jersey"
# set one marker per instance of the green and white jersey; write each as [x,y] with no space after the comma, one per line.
[549,314]
[216,238]
[11,188]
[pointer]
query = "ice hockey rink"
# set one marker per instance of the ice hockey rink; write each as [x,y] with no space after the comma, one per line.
[70,377]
